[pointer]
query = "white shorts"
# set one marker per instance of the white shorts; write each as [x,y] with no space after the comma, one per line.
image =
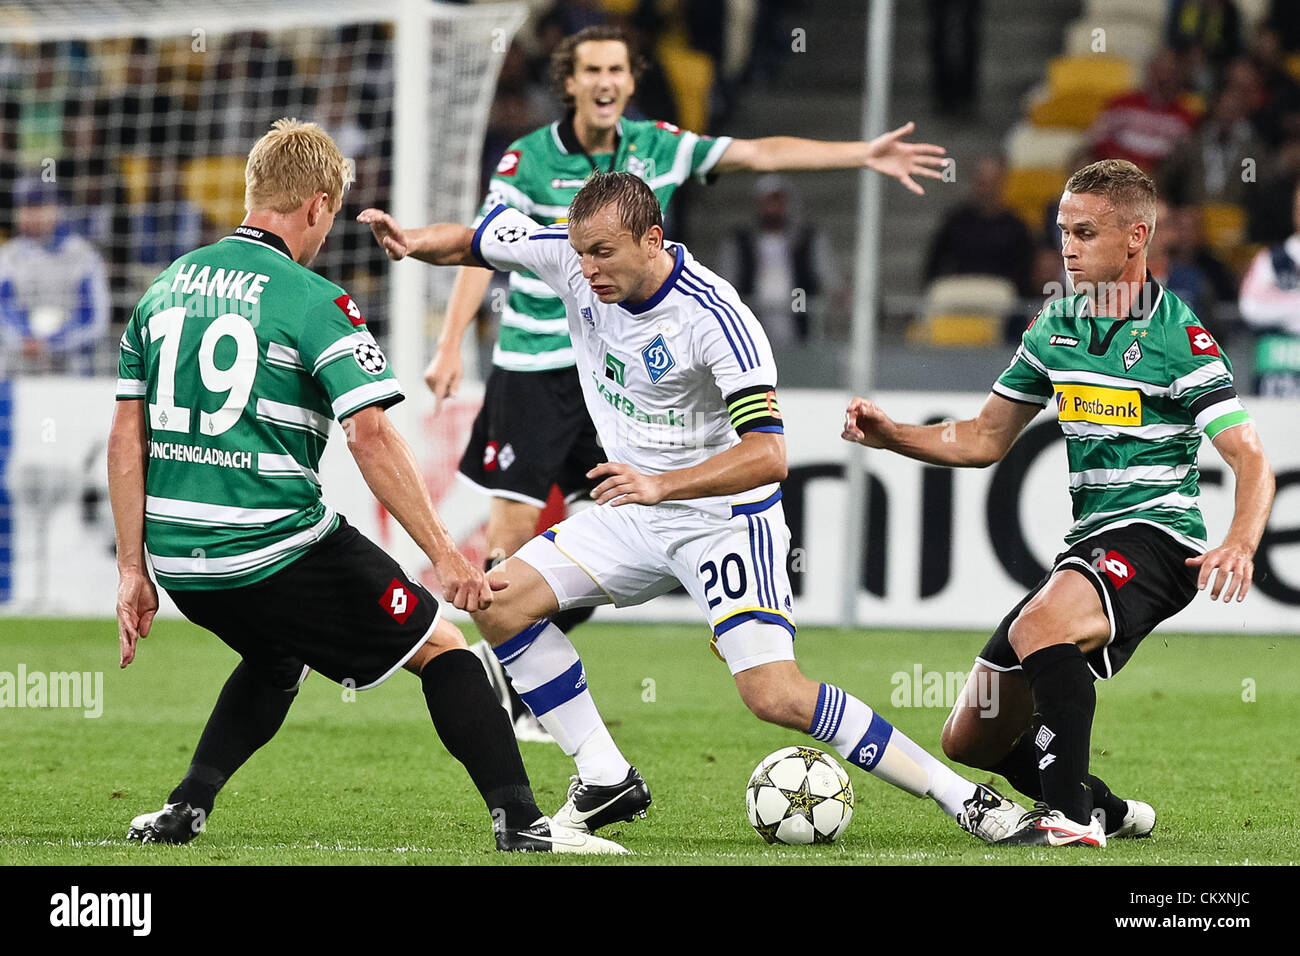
[734,567]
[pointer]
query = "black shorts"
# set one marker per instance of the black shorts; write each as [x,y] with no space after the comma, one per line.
[532,432]
[345,609]
[1139,574]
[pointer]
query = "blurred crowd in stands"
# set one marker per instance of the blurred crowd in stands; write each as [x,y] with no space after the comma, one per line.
[118,155]
[1214,119]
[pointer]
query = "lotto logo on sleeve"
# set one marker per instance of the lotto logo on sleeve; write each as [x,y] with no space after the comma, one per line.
[399,601]
[1116,567]
[509,164]
[350,309]
[669,127]
[1202,341]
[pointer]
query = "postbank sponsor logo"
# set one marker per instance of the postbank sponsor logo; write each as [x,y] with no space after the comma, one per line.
[1100,404]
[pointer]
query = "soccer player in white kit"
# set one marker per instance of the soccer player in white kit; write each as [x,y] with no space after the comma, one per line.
[681,385]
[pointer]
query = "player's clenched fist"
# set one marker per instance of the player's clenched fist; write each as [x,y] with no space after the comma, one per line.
[866,424]
[464,585]
[386,231]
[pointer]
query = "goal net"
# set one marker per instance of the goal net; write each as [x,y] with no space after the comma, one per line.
[124,128]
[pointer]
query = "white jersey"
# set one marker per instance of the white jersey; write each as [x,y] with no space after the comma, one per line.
[669,382]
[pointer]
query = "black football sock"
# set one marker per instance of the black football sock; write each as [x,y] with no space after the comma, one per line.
[1020,767]
[568,620]
[1112,806]
[248,713]
[476,731]
[1064,702]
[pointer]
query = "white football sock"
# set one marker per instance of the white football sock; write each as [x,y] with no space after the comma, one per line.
[546,671]
[866,739]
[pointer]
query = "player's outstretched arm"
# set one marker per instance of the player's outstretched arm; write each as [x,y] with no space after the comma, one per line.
[758,460]
[446,368]
[976,442]
[1234,560]
[137,598]
[887,154]
[393,474]
[442,244]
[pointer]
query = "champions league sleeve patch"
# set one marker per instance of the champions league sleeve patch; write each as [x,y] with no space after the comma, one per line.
[370,358]
[509,233]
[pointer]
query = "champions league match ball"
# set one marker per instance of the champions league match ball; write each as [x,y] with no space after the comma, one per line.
[799,795]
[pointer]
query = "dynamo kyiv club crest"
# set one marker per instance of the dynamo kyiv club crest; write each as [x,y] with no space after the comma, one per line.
[658,360]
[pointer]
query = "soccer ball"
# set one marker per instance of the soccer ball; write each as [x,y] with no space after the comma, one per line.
[799,795]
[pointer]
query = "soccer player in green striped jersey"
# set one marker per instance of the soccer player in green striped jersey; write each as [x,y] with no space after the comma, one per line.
[232,367]
[1136,381]
[515,457]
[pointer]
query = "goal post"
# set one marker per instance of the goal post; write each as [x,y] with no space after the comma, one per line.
[137,116]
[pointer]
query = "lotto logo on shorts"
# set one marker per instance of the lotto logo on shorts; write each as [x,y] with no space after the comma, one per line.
[490,456]
[399,601]
[1117,568]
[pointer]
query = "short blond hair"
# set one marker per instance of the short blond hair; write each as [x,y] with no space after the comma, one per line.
[1131,192]
[290,164]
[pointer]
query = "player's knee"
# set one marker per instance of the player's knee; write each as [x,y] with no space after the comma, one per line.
[1032,629]
[959,743]
[775,704]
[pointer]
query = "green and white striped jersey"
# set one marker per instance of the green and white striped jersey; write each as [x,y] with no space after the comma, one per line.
[1133,397]
[243,357]
[539,175]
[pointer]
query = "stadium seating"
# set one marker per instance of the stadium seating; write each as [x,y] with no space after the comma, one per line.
[1224,226]
[216,185]
[1041,147]
[966,310]
[1028,190]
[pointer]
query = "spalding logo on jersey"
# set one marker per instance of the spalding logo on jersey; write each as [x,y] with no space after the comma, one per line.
[509,164]
[350,309]
[370,358]
[510,233]
[658,360]
[1202,341]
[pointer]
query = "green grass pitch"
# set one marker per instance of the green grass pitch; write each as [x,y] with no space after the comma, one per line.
[1201,727]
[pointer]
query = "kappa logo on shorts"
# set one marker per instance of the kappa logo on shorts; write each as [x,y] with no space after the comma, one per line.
[399,601]
[658,360]
[1116,567]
